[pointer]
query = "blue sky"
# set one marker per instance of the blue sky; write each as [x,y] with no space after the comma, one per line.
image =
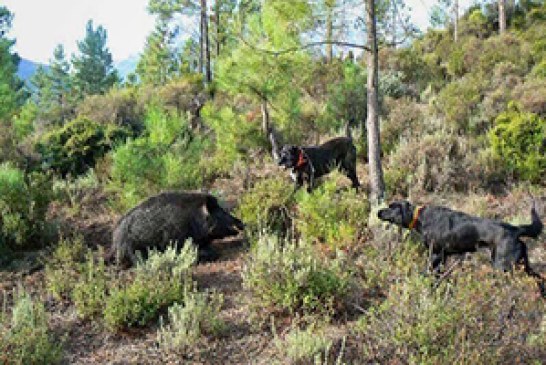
[40,25]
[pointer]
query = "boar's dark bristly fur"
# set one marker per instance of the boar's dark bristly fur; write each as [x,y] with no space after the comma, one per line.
[172,217]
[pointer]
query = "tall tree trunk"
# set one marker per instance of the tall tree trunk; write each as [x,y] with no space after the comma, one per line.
[456,20]
[205,41]
[502,16]
[217,26]
[329,31]
[265,117]
[201,43]
[377,185]
[394,23]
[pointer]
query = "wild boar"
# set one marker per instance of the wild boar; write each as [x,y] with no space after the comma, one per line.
[172,217]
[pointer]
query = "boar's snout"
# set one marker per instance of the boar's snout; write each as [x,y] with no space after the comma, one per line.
[226,224]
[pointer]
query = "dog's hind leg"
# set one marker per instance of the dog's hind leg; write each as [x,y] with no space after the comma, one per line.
[524,260]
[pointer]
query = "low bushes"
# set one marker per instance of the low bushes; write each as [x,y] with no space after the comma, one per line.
[189,321]
[267,206]
[519,139]
[160,281]
[335,218]
[305,346]
[289,277]
[24,334]
[24,200]
[474,316]
[63,268]
[76,147]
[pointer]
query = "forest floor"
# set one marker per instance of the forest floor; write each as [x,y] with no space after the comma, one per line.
[243,340]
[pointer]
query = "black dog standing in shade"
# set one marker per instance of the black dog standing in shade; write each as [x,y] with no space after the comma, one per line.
[451,232]
[311,162]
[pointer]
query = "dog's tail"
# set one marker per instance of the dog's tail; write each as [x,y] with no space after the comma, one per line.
[534,229]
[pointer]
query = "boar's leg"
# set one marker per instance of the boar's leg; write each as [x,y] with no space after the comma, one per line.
[199,232]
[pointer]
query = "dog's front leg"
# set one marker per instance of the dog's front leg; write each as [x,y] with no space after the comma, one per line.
[297,178]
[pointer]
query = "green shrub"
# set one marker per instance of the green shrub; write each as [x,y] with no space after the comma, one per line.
[539,71]
[267,206]
[23,123]
[472,317]
[518,138]
[24,335]
[89,293]
[344,94]
[290,277]
[168,157]
[75,147]
[404,118]
[180,94]
[458,101]
[23,205]
[336,219]
[63,268]
[119,107]
[440,165]
[160,281]
[531,95]
[187,322]
[307,346]
[234,137]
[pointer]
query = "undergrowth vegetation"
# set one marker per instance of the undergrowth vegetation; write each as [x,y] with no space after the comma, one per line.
[160,281]
[291,276]
[485,317]
[24,334]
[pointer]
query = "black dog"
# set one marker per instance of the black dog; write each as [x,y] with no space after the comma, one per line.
[446,232]
[311,162]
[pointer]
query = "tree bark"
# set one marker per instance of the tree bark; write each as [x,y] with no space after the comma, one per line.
[377,185]
[329,32]
[205,41]
[502,16]
[456,20]
[217,26]
[265,117]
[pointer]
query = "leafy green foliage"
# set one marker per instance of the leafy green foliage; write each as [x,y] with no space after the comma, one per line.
[23,205]
[11,88]
[427,323]
[458,101]
[187,322]
[160,281]
[53,89]
[289,276]
[89,294]
[63,268]
[310,345]
[267,206]
[76,147]
[234,138]
[167,157]
[120,107]
[25,337]
[519,138]
[326,216]
[94,71]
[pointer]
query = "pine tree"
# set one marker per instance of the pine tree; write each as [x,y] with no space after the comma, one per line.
[11,87]
[157,63]
[52,89]
[94,70]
